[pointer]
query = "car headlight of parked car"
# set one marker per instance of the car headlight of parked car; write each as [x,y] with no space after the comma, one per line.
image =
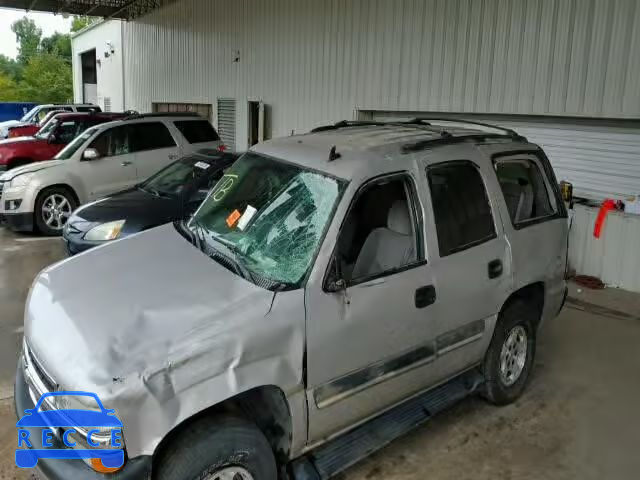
[21,180]
[106,231]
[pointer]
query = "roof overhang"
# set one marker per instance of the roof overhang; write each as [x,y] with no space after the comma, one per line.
[122,9]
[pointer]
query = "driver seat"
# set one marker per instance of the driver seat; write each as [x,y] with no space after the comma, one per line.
[387,248]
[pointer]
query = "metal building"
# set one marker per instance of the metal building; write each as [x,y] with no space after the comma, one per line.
[565,73]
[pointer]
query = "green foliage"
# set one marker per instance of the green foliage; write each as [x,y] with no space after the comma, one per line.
[10,68]
[28,36]
[46,79]
[57,44]
[81,21]
[8,89]
[42,70]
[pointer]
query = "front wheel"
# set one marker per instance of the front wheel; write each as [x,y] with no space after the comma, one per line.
[509,359]
[52,210]
[218,448]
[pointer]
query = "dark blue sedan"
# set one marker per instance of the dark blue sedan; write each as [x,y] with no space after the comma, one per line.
[172,193]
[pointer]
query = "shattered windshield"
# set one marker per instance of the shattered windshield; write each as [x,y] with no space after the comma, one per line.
[271,214]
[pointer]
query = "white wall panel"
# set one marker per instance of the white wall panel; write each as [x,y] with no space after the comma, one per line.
[315,61]
[109,72]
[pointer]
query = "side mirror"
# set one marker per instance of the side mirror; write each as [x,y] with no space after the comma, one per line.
[52,138]
[90,154]
[337,286]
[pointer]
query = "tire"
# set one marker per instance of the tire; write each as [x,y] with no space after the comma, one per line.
[217,445]
[65,204]
[503,383]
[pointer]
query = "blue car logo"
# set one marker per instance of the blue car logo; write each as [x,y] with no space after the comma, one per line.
[60,424]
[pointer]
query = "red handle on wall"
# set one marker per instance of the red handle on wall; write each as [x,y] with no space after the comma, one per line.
[605,208]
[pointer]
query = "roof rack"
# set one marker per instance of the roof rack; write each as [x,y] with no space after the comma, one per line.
[346,124]
[133,116]
[428,120]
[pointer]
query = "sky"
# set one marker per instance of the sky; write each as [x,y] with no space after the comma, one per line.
[48,22]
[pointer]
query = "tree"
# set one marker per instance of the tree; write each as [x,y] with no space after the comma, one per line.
[46,79]
[10,68]
[79,22]
[57,44]
[28,36]
[8,89]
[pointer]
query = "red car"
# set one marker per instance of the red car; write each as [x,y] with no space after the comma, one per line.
[50,139]
[30,129]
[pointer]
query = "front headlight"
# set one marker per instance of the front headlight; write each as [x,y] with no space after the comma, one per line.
[104,232]
[21,180]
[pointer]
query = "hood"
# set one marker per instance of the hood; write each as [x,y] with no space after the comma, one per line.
[20,140]
[31,167]
[133,306]
[9,123]
[140,210]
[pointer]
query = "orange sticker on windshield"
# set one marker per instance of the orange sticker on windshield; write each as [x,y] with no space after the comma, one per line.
[233,218]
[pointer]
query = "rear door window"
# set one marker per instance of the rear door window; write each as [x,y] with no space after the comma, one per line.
[461,206]
[197,131]
[151,136]
[524,189]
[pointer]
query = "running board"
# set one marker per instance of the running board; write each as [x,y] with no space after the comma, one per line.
[348,449]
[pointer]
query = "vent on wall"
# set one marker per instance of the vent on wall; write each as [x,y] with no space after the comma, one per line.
[107,104]
[227,121]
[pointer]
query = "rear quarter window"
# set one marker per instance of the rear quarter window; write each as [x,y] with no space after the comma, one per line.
[197,131]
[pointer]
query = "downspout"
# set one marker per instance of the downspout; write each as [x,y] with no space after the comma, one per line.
[124,104]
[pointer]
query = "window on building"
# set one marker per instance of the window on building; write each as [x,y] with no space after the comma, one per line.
[197,131]
[152,136]
[460,205]
[524,189]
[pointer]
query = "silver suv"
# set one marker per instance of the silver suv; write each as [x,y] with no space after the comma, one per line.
[102,160]
[334,290]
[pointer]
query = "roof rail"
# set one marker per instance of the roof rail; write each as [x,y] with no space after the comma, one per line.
[135,115]
[346,124]
[448,139]
[428,120]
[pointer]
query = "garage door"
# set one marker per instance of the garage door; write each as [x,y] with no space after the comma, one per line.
[601,159]
[202,109]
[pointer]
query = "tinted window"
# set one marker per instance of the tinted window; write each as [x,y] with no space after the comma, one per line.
[151,136]
[197,131]
[67,131]
[524,190]
[89,109]
[113,142]
[460,206]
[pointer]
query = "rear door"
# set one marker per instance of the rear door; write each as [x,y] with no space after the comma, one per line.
[115,169]
[473,264]
[197,134]
[154,148]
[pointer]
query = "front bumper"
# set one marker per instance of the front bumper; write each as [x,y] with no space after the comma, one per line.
[138,468]
[22,222]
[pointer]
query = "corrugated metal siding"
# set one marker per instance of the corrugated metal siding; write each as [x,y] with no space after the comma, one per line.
[316,61]
[601,158]
[614,257]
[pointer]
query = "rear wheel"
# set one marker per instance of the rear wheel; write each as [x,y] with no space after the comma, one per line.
[218,448]
[52,210]
[509,359]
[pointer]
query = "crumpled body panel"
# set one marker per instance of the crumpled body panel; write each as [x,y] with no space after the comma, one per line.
[164,334]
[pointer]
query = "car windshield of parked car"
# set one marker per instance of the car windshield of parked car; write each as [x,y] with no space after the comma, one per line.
[271,215]
[179,177]
[27,117]
[47,129]
[68,151]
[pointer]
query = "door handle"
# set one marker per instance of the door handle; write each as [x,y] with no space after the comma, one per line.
[425,296]
[125,163]
[495,268]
